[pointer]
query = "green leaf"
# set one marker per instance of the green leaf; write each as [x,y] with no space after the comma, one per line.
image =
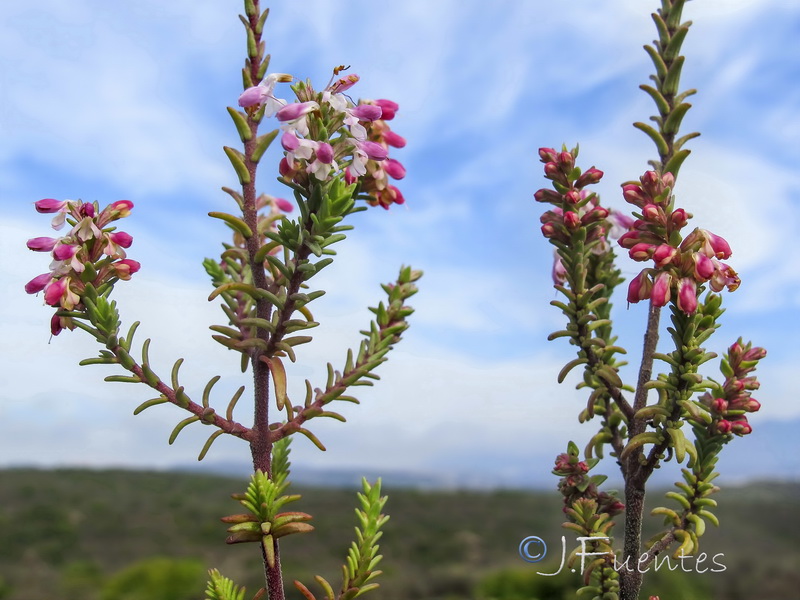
[236,223]
[242,126]
[238,162]
[262,143]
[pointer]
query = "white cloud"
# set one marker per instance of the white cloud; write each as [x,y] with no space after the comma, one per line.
[121,97]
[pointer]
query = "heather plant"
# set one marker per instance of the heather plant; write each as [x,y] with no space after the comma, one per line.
[335,163]
[673,412]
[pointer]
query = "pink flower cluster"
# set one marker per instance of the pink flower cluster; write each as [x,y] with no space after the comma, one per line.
[326,135]
[576,483]
[574,208]
[730,403]
[90,242]
[682,265]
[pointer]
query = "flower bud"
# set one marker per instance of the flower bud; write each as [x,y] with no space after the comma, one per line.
[724,426]
[572,197]
[598,213]
[367,112]
[634,194]
[394,168]
[289,141]
[572,220]
[664,254]
[679,218]
[547,195]
[375,152]
[121,238]
[641,251]
[719,405]
[547,155]
[653,213]
[566,162]
[42,244]
[49,205]
[388,109]
[325,153]
[394,140]
[38,283]
[284,205]
[590,177]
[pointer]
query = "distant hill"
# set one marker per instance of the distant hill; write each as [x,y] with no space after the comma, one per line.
[71,534]
[746,459]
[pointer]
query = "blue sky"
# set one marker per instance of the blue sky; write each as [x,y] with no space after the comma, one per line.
[103,101]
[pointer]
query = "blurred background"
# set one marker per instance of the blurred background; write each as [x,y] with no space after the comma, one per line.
[105,101]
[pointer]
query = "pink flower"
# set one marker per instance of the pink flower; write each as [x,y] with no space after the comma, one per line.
[120,238]
[289,141]
[292,112]
[55,291]
[42,244]
[373,150]
[38,283]
[641,251]
[394,168]
[367,112]
[620,223]
[284,205]
[640,287]
[345,83]
[703,266]
[718,245]
[125,268]
[263,94]
[49,205]
[661,292]
[325,153]
[559,272]
[56,326]
[687,295]
[664,255]
[724,277]
[679,218]
[65,251]
[394,140]
[388,109]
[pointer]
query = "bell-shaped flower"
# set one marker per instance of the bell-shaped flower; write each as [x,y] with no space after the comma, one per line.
[640,287]
[661,292]
[687,295]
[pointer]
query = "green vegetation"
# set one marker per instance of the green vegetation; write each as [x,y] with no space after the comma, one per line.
[121,535]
